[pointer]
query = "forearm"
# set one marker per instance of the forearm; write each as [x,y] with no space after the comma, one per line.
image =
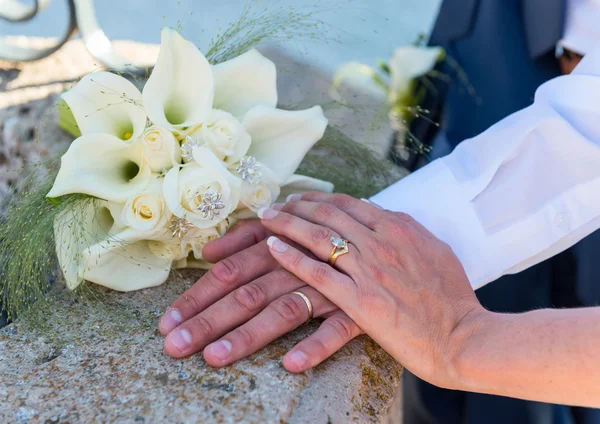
[545,355]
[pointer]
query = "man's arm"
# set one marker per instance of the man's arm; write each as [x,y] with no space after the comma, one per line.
[521,192]
[546,355]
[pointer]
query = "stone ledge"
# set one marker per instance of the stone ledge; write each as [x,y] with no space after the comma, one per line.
[91,363]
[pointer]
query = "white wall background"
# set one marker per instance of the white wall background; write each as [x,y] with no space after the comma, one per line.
[367,30]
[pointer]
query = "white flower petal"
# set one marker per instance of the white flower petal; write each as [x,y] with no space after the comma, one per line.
[102,166]
[298,184]
[359,77]
[180,91]
[103,102]
[125,266]
[281,138]
[74,231]
[244,82]
[263,192]
[411,62]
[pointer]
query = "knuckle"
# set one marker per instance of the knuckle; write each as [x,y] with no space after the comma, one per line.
[404,217]
[286,219]
[245,336]
[296,260]
[320,234]
[227,271]
[323,211]
[321,273]
[193,304]
[250,297]
[202,326]
[377,274]
[342,201]
[399,229]
[342,327]
[289,309]
[385,251]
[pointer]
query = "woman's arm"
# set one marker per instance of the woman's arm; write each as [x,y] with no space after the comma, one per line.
[545,355]
[408,291]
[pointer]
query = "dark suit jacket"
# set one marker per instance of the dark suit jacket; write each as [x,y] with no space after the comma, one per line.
[506,49]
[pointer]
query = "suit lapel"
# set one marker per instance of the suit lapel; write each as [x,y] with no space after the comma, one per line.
[544,24]
[454,21]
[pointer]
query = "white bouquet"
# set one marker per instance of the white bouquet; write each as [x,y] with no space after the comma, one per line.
[176,165]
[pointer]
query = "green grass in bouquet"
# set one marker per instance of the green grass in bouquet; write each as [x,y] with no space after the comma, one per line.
[41,219]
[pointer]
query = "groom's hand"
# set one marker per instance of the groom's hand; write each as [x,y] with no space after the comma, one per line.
[245,302]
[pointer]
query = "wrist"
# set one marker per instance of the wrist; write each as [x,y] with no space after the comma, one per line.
[468,335]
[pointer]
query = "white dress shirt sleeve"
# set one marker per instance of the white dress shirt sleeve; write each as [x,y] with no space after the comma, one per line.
[522,191]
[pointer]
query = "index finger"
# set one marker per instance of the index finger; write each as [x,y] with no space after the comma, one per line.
[223,278]
[367,214]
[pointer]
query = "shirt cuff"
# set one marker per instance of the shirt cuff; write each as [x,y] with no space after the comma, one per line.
[434,198]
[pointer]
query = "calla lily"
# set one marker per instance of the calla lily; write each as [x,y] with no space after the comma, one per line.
[102,166]
[244,82]
[180,91]
[105,103]
[281,138]
[361,77]
[124,265]
[412,62]
[74,230]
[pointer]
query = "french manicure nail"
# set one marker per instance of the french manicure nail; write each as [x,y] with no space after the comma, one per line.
[276,244]
[299,359]
[293,197]
[171,319]
[267,213]
[181,339]
[277,206]
[220,349]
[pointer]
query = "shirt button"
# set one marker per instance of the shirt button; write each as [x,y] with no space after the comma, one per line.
[561,220]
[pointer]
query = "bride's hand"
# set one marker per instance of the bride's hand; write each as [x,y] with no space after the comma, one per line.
[400,284]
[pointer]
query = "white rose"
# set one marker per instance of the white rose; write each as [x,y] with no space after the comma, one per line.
[161,149]
[263,192]
[147,212]
[204,193]
[224,135]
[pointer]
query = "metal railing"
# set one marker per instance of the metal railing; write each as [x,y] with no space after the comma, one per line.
[82,19]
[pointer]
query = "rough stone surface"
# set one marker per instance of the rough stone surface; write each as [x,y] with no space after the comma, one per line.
[85,360]
[102,361]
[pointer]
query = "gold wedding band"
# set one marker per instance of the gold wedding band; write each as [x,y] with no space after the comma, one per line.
[309,304]
[340,248]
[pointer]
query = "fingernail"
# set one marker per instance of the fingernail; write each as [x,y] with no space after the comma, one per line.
[267,213]
[277,245]
[293,197]
[372,203]
[171,319]
[299,359]
[220,349]
[277,206]
[181,339]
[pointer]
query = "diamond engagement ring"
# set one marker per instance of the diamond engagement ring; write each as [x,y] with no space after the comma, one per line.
[340,247]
